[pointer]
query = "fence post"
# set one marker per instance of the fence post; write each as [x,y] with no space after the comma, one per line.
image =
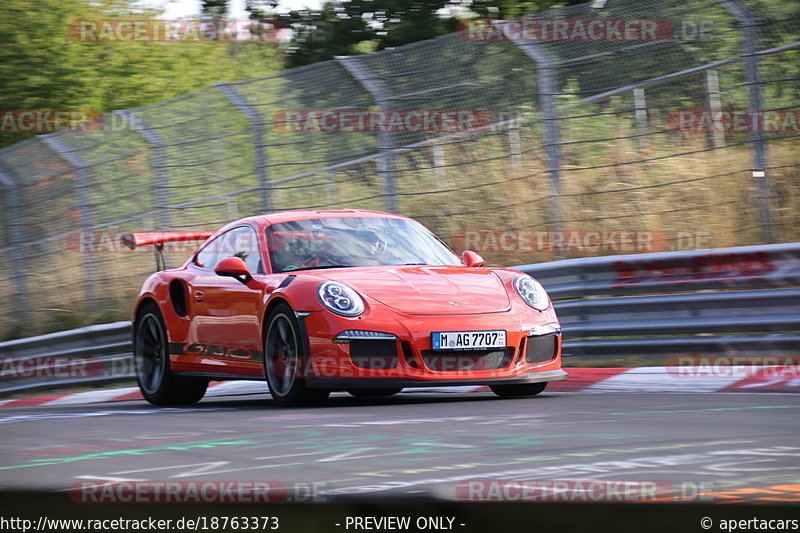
[640,108]
[546,82]
[259,138]
[232,205]
[373,86]
[439,162]
[514,145]
[160,186]
[750,43]
[19,272]
[82,184]
[331,189]
[715,106]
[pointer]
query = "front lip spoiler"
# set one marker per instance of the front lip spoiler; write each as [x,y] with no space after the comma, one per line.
[321,382]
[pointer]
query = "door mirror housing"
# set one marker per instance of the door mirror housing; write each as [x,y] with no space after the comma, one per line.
[472,259]
[235,268]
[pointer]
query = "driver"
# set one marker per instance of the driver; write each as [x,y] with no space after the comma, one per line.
[371,245]
[359,248]
[325,254]
[281,257]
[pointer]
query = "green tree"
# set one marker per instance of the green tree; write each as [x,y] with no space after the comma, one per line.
[508,9]
[347,27]
[215,9]
[45,65]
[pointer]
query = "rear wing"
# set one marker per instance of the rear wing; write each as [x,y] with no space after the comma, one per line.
[158,238]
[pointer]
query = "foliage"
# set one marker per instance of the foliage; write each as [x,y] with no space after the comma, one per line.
[342,27]
[43,66]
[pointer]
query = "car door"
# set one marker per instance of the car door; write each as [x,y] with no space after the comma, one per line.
[226,311]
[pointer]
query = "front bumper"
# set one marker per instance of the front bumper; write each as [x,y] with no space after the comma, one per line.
[412,362]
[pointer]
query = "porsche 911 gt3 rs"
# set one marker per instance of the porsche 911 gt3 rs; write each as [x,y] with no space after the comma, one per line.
[321,301]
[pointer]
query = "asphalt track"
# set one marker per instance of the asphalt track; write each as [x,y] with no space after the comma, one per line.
[730,447]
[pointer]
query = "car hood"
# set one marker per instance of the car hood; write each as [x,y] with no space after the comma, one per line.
[429,290]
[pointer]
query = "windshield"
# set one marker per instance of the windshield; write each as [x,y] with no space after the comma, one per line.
[353,241]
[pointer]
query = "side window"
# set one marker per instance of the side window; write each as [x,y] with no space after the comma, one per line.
[207,258]
[239,242]
[242,243]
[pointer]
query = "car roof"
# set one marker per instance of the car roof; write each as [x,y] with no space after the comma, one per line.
[288,216]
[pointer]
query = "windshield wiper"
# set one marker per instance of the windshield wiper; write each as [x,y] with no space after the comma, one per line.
[319,267]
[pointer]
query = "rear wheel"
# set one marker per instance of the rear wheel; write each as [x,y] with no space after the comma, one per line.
[158,384]
[373,393]
[510,391]
[286,360]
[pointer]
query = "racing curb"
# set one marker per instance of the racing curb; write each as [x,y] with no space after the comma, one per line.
[785,379]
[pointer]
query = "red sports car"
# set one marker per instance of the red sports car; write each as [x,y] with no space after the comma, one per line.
[321,301]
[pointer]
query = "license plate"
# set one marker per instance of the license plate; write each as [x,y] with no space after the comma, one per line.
[468,340]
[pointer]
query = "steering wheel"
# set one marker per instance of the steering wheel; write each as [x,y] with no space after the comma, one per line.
[321,258]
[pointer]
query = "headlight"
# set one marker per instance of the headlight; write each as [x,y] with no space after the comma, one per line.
[532,292]
[340,298]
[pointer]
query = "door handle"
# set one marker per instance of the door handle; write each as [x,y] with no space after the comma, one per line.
[199,296]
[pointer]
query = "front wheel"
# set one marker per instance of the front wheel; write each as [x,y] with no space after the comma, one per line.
[510,391]
[286,360]
[158,384]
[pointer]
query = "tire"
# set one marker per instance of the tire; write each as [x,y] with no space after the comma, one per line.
[373,393]
[158,384]
[510,391]
[286,360]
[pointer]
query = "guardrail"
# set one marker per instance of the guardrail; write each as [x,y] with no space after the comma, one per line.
[735,301]
[83,356]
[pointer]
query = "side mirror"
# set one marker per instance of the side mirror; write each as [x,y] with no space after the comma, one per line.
[235,268]
[472,259]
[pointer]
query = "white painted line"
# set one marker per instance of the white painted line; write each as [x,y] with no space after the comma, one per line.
[228,388]
[456,389]
[659,379]
[93,396]
[100,479]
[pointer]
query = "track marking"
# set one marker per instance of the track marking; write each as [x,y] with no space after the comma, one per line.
[190,473]
[442,444]
[92,396]
[109,478]
[350,454]
[706,409]
[267,458]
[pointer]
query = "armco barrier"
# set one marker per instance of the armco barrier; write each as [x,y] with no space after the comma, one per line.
[743,267]
[88,355]
[743,300]
[733,301]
